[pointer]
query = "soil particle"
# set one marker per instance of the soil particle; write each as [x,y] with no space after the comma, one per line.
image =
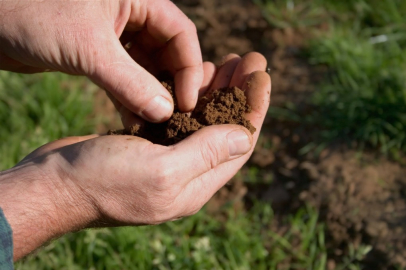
[222,106]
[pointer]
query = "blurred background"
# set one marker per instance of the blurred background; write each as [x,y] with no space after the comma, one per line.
[326,185]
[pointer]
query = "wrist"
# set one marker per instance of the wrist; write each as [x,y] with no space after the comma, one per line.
[39,205]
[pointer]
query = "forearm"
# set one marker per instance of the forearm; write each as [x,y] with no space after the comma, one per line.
[8,9]
[38,207]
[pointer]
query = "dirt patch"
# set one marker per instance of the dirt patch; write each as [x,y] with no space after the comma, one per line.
[362,200]
[222,106]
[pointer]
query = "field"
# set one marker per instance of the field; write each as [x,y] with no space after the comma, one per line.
[325,187]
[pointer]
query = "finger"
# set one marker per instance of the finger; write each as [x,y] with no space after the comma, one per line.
[128,118]
[206,149]
[57,144]
[188,81]
[170,26]
[209,75]
[131,84]
[225,71]
[251,62]
[117,104]
[258,87]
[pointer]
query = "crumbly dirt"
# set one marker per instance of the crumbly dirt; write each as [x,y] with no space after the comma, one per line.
[222,106]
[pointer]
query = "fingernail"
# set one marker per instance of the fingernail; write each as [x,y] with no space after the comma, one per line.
[238,143]
[158,109]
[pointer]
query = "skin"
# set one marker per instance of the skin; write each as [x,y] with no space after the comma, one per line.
[119,45]
[100,181]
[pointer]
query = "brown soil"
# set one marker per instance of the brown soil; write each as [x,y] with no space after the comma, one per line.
[362,200]
[222,106]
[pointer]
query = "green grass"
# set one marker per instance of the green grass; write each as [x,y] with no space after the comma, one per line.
[244,240]
[357,14]
[362,98]
[37,109]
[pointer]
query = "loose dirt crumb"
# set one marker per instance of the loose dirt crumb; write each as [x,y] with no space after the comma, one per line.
[222,106]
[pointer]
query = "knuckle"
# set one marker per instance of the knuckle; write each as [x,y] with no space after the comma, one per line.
[163,175]
[164,185]
[257,56]
[191,26]
[122,83]
[211,154]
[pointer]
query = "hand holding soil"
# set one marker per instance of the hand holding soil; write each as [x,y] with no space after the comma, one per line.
[98,181]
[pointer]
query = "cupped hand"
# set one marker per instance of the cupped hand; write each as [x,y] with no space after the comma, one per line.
[119,45]
[124,180]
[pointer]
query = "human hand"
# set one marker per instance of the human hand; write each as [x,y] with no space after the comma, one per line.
[82,38]
[98,181]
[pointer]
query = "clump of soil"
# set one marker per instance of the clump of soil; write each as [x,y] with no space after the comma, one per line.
[222,106]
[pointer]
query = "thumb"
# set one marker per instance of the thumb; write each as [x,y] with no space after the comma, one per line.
[131,84]
[208,148]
